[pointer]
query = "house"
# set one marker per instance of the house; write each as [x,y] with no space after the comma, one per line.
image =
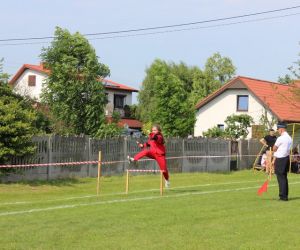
[245,95]
[29,80]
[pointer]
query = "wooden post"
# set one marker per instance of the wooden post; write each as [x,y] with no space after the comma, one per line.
[127,181]
[99,173]
[268,161]
[257,157]
[161,183]
[269,164]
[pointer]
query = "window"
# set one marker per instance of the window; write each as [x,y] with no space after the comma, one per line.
[31,80]
[242,103]
[221,126]
[119,101]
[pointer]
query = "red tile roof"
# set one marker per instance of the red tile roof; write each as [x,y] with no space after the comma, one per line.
[132,123]
[278,98]
[109,84]
[39,68]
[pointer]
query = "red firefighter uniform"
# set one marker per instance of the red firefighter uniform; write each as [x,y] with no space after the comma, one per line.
[154,148]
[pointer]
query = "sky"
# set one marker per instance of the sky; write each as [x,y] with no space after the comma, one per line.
[259,49]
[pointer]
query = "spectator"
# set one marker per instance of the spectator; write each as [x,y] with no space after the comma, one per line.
[269,140]
[295,161]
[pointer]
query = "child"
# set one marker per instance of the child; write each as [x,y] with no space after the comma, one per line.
[295,161]
[263,160]
[154,148]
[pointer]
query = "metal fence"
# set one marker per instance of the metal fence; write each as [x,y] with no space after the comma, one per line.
[187,154]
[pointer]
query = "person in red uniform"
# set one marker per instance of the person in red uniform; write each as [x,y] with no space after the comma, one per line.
[155,149]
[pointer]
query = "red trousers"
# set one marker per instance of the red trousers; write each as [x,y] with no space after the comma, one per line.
[160,159]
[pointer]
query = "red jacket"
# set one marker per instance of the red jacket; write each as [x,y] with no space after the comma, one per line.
[156,143]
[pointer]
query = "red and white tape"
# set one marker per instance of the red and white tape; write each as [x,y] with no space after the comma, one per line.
[144,170]
[114,162]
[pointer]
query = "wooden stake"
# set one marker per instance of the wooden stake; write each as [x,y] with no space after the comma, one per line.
[161,183]
[269,163]
[127,181]
[257,157]
[99,173]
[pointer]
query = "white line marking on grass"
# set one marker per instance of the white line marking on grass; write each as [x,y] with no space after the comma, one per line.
[131,200]
[123,193]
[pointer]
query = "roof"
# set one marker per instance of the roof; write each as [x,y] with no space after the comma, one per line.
[132,123]
[39,68]
[278,98]
[109,84]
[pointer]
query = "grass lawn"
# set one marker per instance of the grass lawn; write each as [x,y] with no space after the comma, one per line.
[200,211]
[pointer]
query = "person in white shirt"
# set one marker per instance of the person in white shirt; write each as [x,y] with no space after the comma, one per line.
[281,150]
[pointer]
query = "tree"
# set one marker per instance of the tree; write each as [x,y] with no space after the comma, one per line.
[203,85]
[266,121]
[3,76]
[184,86]
[217,71]
[185,74]
[134,111]
[285,79]
[164,100]
[17,119]
[73,92]
[221,69]
[291,79]
[214,132]
[237,126]
[110,129]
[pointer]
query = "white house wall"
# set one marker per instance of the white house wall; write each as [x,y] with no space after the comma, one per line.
[216,111]
[21,86]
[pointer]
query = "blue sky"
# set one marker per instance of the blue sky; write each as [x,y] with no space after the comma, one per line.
[261,49]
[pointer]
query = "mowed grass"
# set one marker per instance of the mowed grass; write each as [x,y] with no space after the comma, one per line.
[200,211]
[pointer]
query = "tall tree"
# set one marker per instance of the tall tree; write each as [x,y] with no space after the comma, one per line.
[72,91]
[187,85]
[221,69]
[163,100]
[217,71]
[17,120]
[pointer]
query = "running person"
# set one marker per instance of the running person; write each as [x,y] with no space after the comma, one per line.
[155,149]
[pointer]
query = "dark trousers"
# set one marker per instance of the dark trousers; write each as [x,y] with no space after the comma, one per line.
[281,170]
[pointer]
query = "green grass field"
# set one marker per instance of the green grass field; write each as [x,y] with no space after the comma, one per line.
[200,211]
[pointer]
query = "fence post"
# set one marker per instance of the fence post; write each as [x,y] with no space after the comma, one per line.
[206,154]
[229,155]
[240,155]
[49,157]
[88,150]
[183,154]
[125,148]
